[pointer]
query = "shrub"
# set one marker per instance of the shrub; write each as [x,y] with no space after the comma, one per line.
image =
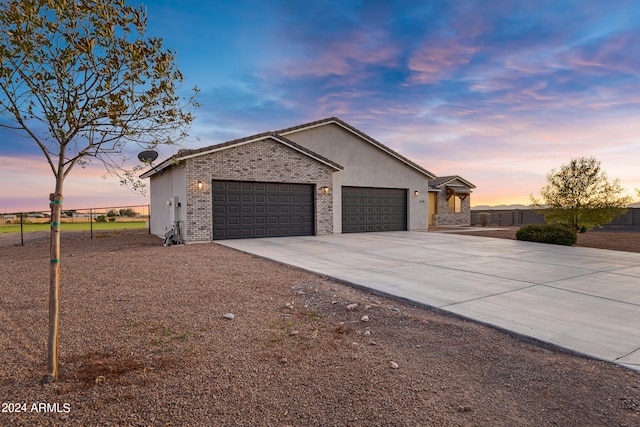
[101,218]
[553,234]
[128,212]
[484,218]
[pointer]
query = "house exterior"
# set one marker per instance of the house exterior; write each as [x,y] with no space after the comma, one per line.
[317,178]
[450,201]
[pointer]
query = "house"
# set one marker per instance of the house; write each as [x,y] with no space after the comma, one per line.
[317,178]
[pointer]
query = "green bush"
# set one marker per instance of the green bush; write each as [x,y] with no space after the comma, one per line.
[554,234]
[101,218]
[484,218]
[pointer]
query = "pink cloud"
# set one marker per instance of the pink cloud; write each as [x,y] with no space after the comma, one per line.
[437,59]
[616,53]
[84,188]
[348,57]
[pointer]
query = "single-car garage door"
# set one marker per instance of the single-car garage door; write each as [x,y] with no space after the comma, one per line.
[244,210]
[373,209]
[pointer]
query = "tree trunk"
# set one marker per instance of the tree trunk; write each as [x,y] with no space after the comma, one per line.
[54,287]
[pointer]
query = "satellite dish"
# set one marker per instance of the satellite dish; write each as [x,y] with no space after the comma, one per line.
[148,156]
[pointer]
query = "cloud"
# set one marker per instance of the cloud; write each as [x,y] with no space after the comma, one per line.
[439,60]
[29,181]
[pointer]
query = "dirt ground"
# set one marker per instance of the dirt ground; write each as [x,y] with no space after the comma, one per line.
[618,241]
[144,342]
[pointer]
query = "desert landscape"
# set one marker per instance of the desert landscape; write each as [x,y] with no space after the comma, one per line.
[144,341]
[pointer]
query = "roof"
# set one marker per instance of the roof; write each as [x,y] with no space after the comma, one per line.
[449,181]
[362,135]
[187,154]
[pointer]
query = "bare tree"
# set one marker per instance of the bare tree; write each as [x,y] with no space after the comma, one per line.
[80,79]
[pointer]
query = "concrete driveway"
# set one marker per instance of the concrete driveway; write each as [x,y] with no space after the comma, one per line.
[582,299]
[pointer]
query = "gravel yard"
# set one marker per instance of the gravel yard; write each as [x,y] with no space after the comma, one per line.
[144,341]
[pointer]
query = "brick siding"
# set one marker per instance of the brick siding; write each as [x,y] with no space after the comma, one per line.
[260,161]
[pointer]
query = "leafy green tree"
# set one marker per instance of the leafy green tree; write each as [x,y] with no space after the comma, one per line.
[580,196]
[111,215]
[129,213]
[80,79]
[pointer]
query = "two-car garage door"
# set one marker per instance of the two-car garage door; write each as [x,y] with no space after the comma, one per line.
[243,210]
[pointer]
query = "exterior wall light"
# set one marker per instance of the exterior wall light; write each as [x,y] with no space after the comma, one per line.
[324,189]
[416,193]
[200,185]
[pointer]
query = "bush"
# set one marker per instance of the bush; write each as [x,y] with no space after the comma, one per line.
[484,218]
[554,234]
[101,218]
[130,213]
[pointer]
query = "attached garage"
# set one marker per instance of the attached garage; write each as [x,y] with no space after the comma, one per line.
[367,209]
[245,210]
[317,178]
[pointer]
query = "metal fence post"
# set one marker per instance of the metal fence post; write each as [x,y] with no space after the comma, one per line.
[21,231]
[91,222]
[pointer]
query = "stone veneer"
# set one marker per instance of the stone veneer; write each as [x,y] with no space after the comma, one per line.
[261,161]
[444,217]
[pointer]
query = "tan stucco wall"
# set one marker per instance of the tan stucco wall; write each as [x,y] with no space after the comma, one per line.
[365,166]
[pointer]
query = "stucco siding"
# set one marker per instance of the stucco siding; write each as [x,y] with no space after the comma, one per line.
[166,187]
[365,166]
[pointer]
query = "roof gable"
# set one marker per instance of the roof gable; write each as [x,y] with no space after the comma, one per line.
[449,181]
[360,135]
[188,154]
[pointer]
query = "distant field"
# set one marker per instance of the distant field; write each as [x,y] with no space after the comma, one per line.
[27,228]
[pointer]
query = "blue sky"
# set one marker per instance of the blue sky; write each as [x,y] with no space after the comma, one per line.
[497,91]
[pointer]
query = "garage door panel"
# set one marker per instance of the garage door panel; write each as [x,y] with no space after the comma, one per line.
[366,209]
[256,209]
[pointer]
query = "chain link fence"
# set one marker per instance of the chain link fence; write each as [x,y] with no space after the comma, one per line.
[21,228]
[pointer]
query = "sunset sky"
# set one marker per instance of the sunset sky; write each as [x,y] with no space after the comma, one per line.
[496,91]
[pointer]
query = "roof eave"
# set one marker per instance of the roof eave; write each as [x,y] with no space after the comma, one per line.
[225,146]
